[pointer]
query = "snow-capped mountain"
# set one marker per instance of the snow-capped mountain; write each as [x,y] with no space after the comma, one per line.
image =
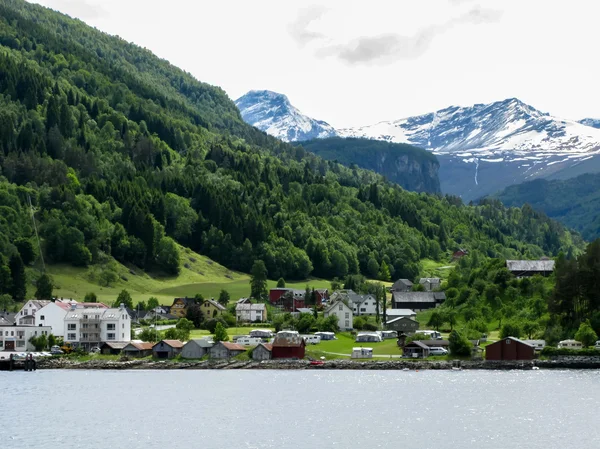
[593,122]
[273,113]
[481,148]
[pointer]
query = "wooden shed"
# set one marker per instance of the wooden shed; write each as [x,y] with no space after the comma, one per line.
[166,349]
[509,348]
[262,352]
[196,349]
[288,346]
[138,349]
[113,347]
[416,349]
[225,350]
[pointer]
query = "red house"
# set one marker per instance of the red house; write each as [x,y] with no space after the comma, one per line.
[288,346]
[509,348]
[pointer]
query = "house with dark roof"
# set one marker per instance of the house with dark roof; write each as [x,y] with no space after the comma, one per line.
[509,348]
[416,349]
[417,301]
[197,348]
[527,268]
[113,347]
[167,349]
[180,305]
[402,285]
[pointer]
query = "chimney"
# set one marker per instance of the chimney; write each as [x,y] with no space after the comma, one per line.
[73,306]
[122,306]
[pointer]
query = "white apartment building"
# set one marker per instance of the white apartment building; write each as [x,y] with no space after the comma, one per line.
[89,327]
[53,314]
[16,338]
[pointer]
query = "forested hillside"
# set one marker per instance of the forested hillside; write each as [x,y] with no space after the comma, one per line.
[574,202]
[410,167]
[122,155]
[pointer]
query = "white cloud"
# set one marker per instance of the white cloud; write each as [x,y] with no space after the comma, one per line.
[385,59]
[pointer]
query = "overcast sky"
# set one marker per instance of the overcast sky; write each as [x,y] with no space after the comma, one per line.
[359,62]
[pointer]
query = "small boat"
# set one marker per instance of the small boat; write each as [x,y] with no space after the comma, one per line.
[317,362]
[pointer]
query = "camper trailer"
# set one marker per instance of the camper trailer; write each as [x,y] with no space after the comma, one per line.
[311,339]
[362,353]
[433,335]
[249,341]
[326,335]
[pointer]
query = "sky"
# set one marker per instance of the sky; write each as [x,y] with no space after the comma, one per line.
[354,63]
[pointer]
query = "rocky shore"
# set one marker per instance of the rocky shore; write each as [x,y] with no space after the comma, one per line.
[136,364]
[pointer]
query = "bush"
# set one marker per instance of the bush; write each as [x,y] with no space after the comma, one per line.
[459,345]
[552,351]
[211,325]
[370,327]
[358,323]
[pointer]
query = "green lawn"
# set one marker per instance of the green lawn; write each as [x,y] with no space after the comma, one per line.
[199,274]
[433,269]
[231,331]
[345,343]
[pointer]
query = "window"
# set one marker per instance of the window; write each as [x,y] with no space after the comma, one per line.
[363,309]
[110,336]
[71,327]
[71,336]
[123,326]
[347,323]
[347,315]
[110,327]
[42,317]
[20,343]
[85,335]
[123,336]
[1,343]
[341,307]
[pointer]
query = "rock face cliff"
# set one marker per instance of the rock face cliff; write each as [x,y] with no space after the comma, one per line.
[412,168]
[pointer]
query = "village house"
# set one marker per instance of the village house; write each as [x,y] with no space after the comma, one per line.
[225,350]
[211,309]
[361,304]
[166,349]
[26,316]
[197,348]
[250,313]
[509,348]
[402,285]
[528,268]
[180,306]
[288,346]
[137,349]
[89,327]
[262,352]
[16,337]
[417,301]
[430,284]
[459,254]
[275,294]
[7,318]
[402,324]
[322,295]
[343,313]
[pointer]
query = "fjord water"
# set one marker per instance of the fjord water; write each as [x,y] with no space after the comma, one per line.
[300,409]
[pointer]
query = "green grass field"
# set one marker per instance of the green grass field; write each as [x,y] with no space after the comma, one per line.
[199,274]
[345,343]
[433,269]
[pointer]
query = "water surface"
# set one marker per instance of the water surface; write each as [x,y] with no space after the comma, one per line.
[66,409]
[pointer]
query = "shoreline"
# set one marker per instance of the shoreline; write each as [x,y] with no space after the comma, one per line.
[557,363]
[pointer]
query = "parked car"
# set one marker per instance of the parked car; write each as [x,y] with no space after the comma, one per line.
[55,350]
[95,350]
[438,351]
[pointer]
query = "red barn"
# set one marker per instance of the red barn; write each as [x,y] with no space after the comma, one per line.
[275,294]
[509,348]
[288,346]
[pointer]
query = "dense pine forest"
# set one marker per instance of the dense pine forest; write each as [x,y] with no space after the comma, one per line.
[124,156]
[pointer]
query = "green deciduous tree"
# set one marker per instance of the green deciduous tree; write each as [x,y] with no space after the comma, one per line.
[280,283]
[459,345]
[224,297]
[90,297]
[436,320]
[585,334]
[124,298]
[220,333]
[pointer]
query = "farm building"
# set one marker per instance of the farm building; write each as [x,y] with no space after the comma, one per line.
[225,350]
[262,352]
[402,324]
[166,349]
[137,349]
[509,348]
[527,268]
[417,301]
[197,348]
[288,346]
[402,285]
[430,284]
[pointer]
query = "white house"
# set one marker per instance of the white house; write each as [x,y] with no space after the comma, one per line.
[26,316]
[363,304]
[16,338]
[89,327]
[53,314]
[343,313]
[250,312]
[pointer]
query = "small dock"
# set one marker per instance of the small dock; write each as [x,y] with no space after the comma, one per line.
[11,364]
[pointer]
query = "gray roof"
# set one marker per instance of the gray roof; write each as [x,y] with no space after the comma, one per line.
[241,307]
[400,318]
[418,343]
[202,342]
[116,344]
[419,296]
[430,280]
[402,283]
[530,265]
[400,312]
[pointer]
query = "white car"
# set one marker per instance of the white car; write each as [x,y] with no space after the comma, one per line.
[438,351]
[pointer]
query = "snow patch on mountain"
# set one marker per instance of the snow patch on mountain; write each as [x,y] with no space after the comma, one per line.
[273,113]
